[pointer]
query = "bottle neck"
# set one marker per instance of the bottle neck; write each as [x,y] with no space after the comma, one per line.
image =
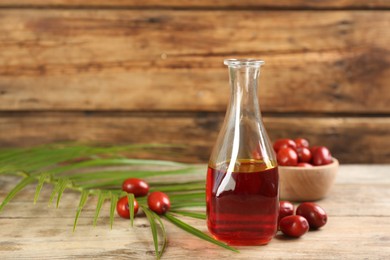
[244,102]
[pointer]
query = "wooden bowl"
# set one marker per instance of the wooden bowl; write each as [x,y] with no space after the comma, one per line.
[307,184]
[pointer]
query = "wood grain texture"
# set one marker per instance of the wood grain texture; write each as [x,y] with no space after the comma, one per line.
[350,139]
[281,4]
[352,231]
[316,61]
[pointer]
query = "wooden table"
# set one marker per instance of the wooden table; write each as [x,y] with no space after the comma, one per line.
[358,227]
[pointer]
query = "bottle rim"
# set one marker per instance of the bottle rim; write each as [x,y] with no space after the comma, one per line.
[243,62]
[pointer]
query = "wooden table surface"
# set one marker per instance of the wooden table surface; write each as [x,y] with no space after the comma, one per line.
[358,227]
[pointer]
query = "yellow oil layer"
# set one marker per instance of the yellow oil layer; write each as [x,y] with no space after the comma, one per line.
[246,165]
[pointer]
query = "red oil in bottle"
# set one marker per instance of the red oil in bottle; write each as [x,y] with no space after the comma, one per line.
[246,212]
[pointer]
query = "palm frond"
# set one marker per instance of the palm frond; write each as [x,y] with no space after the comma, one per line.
[83,200]
[56,189]
[42,178]
[190,214]
[130,198]
[114,200]
[63,183]
[101,198]
[153,228]
[23,183]
[164,233]
[196,232]
[89,170]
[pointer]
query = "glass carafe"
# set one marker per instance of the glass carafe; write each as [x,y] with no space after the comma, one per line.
[242,190]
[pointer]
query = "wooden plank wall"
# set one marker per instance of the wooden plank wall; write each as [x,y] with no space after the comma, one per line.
[150,71]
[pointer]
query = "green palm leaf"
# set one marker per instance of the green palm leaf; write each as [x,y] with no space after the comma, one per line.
[88,170]
[153,226]
[63,184]
[115,162]
[42,178]
[114,200]
[190,214]
[101,198]
[23,183]
[130,198]
[56,190]
[164,233]
[196,232]
[83,200]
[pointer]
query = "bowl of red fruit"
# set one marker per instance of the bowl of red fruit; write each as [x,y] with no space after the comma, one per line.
[306,172]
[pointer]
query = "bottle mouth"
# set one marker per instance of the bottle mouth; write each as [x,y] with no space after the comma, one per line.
[243,62]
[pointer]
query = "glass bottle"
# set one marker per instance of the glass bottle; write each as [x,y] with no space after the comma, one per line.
[242,188]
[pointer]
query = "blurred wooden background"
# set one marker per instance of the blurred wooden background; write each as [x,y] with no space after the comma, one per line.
[127,71]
